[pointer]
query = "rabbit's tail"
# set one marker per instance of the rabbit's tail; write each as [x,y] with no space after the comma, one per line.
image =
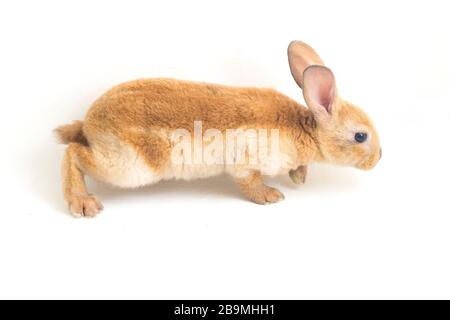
[71,133]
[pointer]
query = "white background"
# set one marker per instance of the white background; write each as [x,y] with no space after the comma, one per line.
[345,234]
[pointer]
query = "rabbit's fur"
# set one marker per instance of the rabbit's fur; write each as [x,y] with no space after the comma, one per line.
[125,139]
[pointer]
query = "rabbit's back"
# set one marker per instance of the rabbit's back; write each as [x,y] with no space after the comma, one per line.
[177,104]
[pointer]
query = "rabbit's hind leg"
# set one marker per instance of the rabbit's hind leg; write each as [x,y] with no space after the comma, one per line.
[78,160]
[152,146]
[252,185]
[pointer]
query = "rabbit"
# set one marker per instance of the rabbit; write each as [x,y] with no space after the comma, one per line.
[125,138]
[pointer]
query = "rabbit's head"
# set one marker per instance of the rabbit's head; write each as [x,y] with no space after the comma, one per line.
[345,134]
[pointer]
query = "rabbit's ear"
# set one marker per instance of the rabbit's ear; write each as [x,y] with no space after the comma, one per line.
[320,91]
[301,56]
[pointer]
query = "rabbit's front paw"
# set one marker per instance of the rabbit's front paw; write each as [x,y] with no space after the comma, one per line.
[84,205]
[298,176]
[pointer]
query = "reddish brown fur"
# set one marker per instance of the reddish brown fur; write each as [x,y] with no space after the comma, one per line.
[72,132]
[136,117]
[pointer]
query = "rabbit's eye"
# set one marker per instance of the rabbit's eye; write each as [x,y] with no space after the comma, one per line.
[360,137]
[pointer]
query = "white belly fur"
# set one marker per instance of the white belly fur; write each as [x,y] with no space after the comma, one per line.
[119,164]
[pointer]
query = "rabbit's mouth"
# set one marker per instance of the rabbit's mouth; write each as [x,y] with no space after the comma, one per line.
[370,162]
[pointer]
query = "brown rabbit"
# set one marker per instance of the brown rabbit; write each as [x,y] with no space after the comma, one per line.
[127,137]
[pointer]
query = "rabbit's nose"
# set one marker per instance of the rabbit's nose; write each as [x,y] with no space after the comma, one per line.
[381,153]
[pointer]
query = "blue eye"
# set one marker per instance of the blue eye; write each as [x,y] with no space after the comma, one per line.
[360,137]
